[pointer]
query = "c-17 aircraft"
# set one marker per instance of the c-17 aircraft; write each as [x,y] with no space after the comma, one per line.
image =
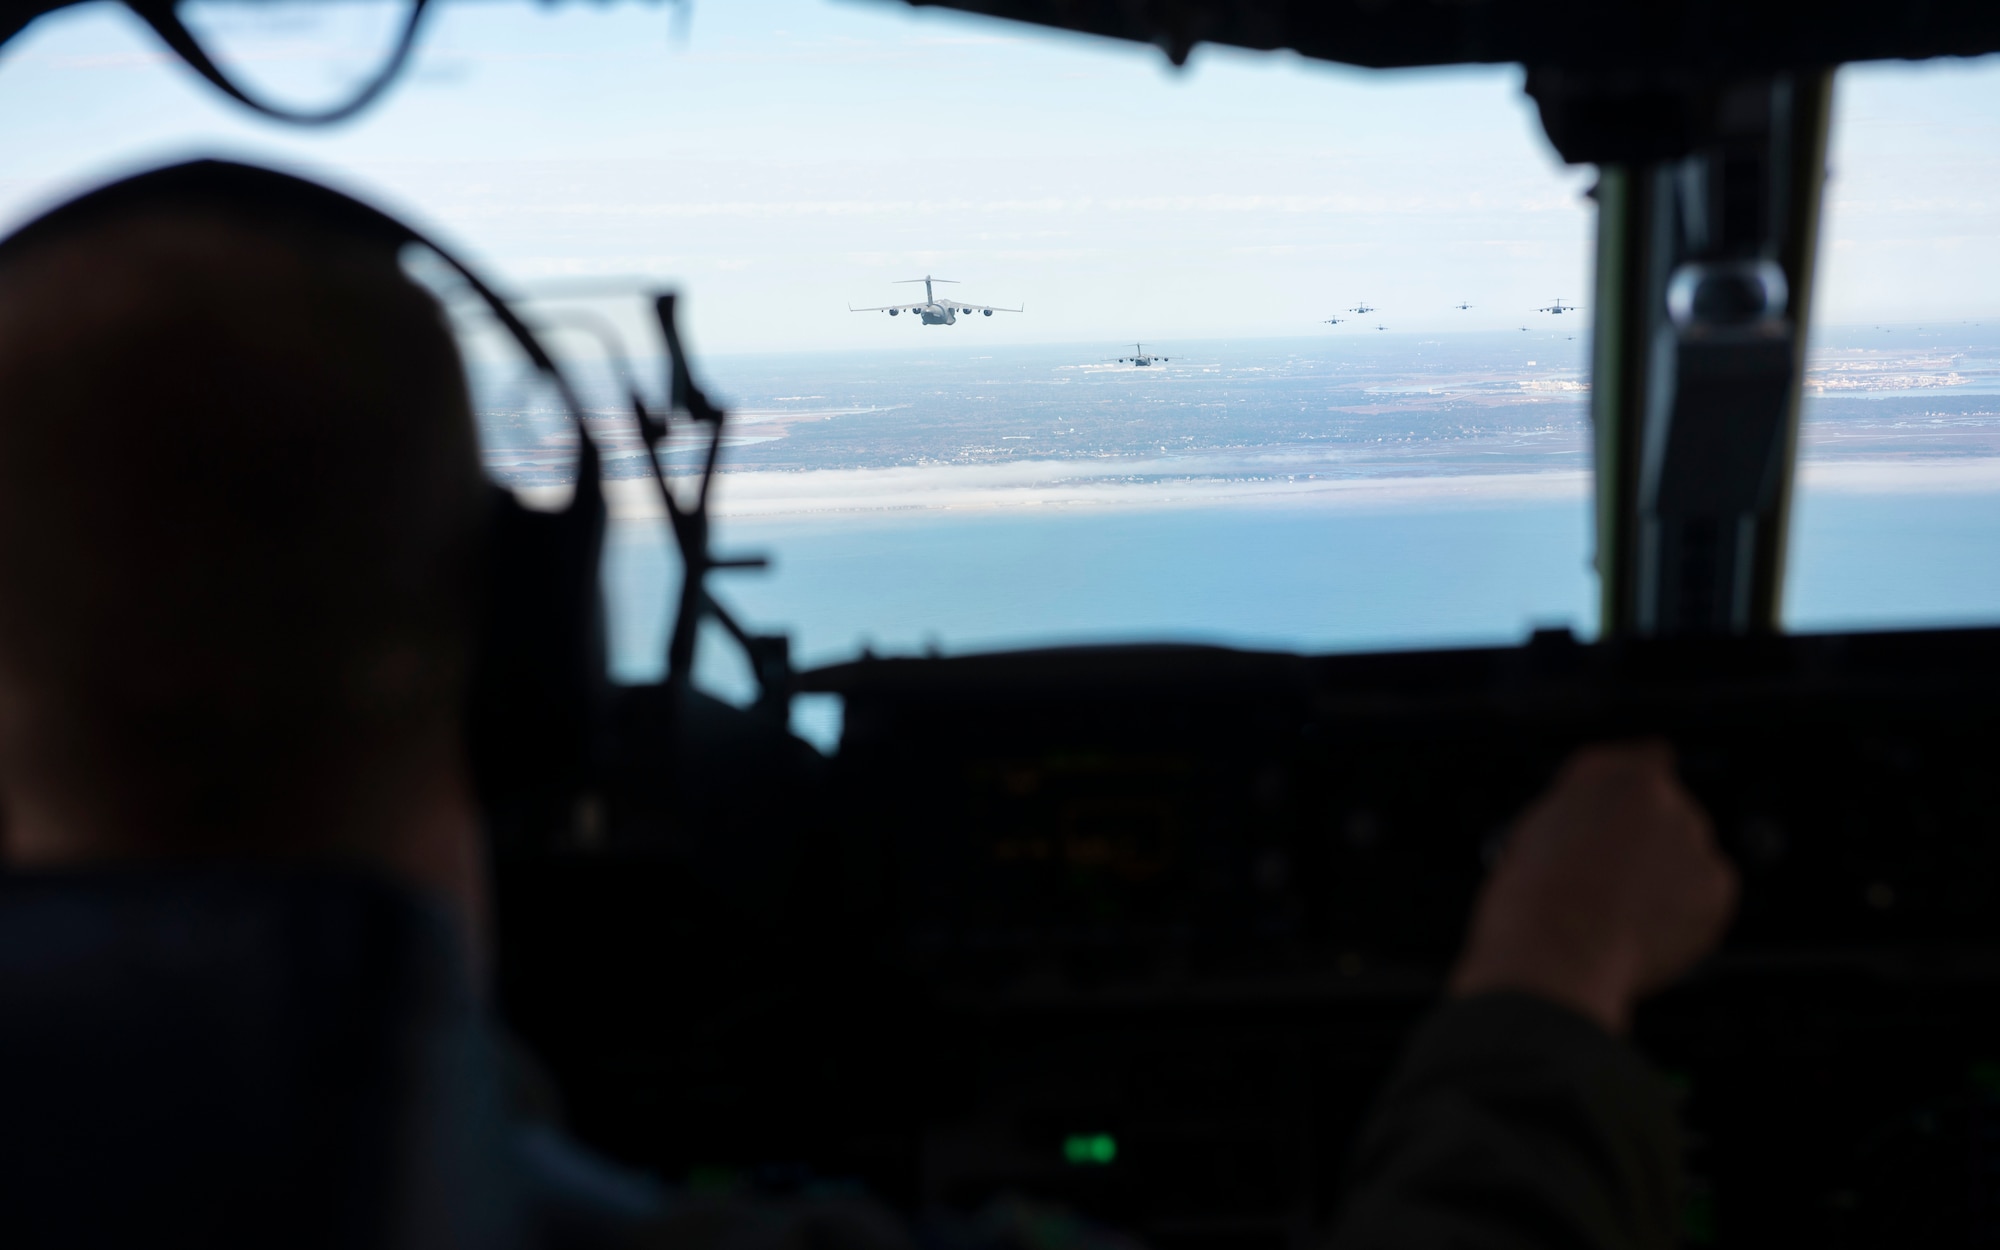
[1558,308]
[1362,308]
[1140,357]
[934,311]
[1332,321]
[1461,307]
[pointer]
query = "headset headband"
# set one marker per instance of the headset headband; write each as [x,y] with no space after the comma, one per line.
[268,195]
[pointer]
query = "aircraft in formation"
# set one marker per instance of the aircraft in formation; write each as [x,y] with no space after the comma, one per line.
[1463,306]
[943,312]
[934,311]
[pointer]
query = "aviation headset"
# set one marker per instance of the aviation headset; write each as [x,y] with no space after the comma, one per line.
[539,687]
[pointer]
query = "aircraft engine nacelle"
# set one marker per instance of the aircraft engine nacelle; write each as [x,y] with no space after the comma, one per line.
[892,312]
[987,311]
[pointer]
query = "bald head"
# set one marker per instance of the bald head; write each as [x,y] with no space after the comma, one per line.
[240,515]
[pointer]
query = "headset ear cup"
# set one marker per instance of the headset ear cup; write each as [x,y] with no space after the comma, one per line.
[539,685]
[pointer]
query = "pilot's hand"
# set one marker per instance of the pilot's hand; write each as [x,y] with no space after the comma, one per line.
[1609,887]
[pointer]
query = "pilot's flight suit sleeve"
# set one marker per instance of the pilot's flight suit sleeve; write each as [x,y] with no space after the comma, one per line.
[1513,1122]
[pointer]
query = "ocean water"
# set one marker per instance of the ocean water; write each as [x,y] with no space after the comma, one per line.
[1355,491]
[1894,559]
[1249,576]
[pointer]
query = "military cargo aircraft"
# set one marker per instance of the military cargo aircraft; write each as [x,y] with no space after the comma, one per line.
[934,311]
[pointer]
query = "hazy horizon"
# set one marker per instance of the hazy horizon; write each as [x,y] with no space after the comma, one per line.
[1579,331]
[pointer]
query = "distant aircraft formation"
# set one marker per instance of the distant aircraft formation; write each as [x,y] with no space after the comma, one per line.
[934,311]
[1557,308]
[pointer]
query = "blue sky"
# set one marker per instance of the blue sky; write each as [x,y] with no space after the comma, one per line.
[791,156]
[1913,198]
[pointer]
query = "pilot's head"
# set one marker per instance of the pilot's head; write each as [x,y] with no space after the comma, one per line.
[240,519]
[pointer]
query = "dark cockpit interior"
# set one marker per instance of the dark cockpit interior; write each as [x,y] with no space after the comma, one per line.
[1137,932]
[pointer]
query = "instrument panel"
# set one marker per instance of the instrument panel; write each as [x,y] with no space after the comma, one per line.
[1139,930]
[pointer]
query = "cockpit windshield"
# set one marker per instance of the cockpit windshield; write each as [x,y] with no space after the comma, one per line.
[1289,369]
[1897,513]
[1030,338]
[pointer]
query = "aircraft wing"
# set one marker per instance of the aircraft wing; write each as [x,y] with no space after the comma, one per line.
[979,308]
[901,308]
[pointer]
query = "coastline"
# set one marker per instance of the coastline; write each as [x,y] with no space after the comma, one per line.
[1131,486]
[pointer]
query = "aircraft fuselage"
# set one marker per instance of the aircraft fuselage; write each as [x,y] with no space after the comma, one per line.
[931,310]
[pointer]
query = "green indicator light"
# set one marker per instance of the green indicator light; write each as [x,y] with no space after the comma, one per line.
[1085,1149]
